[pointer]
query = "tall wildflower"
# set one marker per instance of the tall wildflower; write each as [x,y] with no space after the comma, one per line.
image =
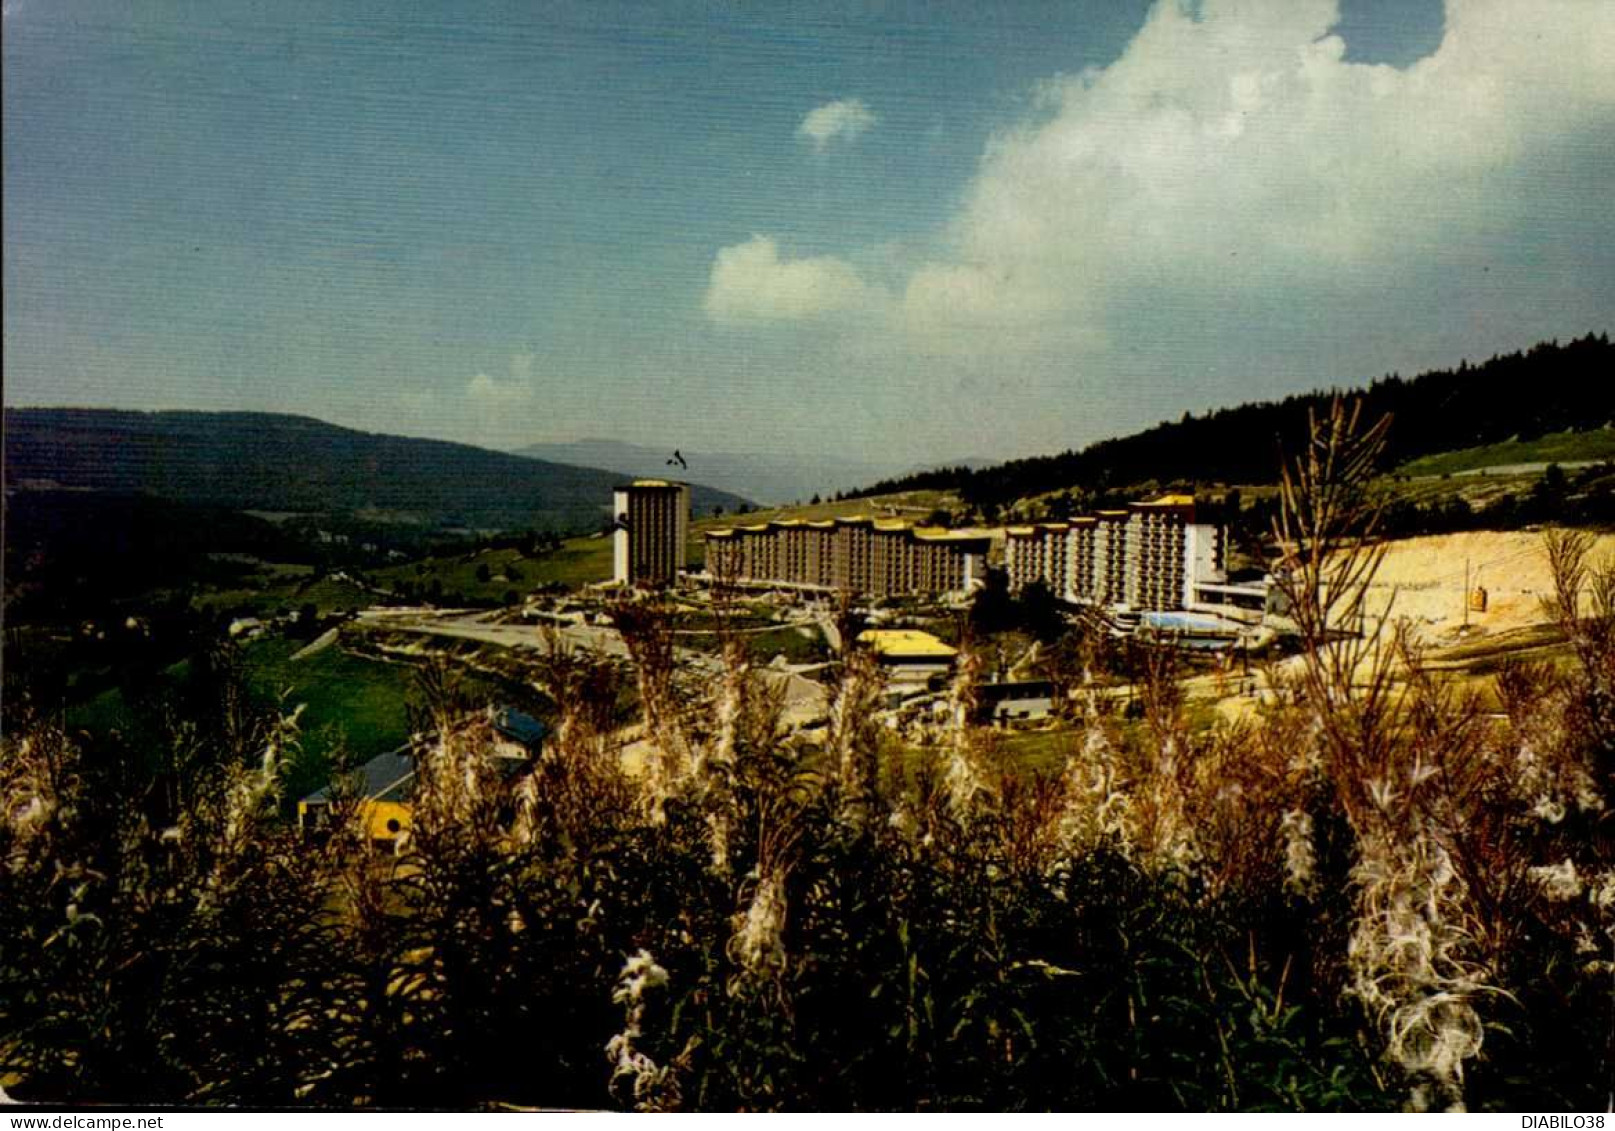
[653,1087]
[757,944]
[648,636]
[577,782]
[965,779]
[730,707]
[251,798]
[36,787]
[1161,820]
[1300,852]
[1097,806]
[1409,965]
[714,762]
[851,745]
[1411,954]
[747,730]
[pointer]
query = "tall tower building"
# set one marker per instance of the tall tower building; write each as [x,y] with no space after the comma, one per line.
[652,519]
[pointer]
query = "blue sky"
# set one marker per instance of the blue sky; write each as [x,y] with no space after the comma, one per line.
[895,230]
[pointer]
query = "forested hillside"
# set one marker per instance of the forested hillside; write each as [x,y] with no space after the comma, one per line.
[1548,388]
[273,462]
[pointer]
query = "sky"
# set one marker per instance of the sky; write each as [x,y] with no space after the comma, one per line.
[897,231]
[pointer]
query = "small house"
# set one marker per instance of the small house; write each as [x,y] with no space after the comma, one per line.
[908,655]
[387,781]
[1007,702]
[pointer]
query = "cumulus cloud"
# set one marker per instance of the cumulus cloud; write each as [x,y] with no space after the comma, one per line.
[1232,150]
[751,282]
[497,411]
[490,393]
[1230,210]
[844,118]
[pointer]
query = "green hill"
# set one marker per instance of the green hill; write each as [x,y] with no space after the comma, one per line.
[1556,447]
[273,462]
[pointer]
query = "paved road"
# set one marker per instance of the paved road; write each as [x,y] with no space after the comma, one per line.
[1519,468]
[805,699]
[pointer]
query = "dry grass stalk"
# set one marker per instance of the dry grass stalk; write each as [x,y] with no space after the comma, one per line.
[38,781]
[578,781]
[652,1087]
[757,945]
[646,630]
[968,779]
[1413,955]
[852,744]
[1097,806]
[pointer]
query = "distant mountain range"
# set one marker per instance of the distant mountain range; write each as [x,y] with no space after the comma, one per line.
[274,462]
[761,478]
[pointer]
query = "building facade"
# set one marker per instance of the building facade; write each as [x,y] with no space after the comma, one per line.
[651,525]
[875,557]
[908,655]
[1151,556]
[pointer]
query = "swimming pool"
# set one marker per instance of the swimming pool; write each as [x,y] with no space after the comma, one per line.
[1197,624]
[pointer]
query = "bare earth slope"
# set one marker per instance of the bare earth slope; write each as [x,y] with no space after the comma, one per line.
[1427,577]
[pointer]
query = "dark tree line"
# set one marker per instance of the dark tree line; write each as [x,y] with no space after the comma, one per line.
[1548,388]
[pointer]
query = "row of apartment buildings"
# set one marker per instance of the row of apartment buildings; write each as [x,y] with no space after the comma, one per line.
[876,557]
[1149,556]
[1152,556]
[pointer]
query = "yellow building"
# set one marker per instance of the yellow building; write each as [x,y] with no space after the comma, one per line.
[387,781]
[385,784]
[908,655]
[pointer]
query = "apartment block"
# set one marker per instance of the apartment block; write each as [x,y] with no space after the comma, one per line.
[1150,556]
[652,525]
[1109,585]
[876,557]
[1037,553]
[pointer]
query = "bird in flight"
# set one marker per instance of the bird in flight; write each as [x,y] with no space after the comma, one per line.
[678,459]
[620,523]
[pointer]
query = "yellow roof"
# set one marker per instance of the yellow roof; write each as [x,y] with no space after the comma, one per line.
[943,534]
[721,532]
[905,642]
[655,483]
[1169,501]
[1021,531]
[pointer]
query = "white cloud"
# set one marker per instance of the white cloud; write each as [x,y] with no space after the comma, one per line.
[1233,150]
[844,118]
[497,413]
[1230,210]
[750,282]
[486,392]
